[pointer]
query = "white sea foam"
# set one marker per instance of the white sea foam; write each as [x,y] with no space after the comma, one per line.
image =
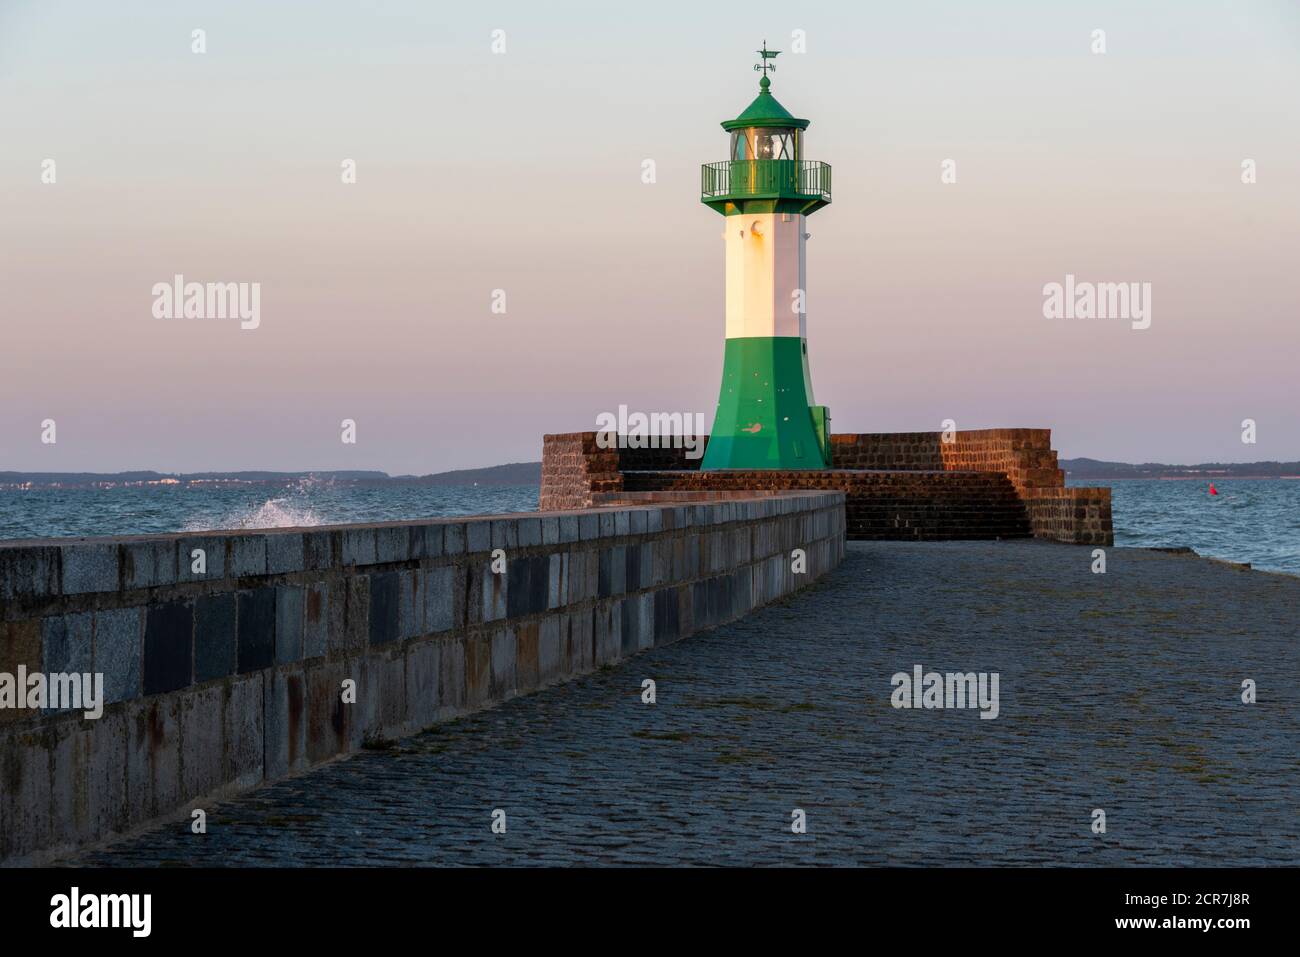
[276,513]
[282,512]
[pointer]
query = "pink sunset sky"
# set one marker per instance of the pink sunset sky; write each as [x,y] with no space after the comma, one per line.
[522,171]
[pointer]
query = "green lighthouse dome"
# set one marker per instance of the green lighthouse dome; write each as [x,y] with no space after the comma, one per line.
[765,111]
[765,167]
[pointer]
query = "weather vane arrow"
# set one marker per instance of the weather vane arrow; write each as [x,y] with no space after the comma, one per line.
[766,54]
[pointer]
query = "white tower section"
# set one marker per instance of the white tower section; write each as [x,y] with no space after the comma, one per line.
[766,280]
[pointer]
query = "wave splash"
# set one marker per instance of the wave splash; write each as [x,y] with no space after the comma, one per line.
[284,511]
[277,513]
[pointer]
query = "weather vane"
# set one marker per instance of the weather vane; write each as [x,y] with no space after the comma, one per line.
[766,54]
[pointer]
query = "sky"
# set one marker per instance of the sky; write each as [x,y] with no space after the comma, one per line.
[522,171]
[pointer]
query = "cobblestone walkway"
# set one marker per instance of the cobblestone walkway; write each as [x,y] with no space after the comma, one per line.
[1119,691]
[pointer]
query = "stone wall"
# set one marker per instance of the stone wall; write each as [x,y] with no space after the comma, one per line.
[574,468]
[933,488]
[220,681]
[903,505]
[1025,456]
[1079,515]
[576,471]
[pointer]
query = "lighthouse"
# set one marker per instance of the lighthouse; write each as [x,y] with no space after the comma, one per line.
[766,190]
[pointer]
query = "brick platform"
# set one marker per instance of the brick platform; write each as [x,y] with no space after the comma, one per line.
[880,505]
[984,484]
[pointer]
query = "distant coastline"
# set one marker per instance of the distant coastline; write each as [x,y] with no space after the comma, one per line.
[1183,478]
[513,474]
[530,473]
[1094,469]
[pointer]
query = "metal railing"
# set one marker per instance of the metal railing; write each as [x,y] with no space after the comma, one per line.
[766,178]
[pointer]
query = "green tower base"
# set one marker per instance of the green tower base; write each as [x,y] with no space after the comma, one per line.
[764,419]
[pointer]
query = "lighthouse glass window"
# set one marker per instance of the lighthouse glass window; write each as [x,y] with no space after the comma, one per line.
[765,144]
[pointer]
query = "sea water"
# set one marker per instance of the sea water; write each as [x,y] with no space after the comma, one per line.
[1249,520]
[136,509]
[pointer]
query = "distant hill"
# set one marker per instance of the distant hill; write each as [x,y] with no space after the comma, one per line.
[1095,469]
[517,473]
[85,479]
[530,473]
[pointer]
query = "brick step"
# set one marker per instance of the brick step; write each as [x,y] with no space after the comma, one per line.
[913,523]
[966,502]
[937,526]
[893,504]
[936,535]
[914,518]
[831,477]
[936,513]
[903,508]
[940,529]
[980,493]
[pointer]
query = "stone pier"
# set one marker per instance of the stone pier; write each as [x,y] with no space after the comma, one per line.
[282,650]
[1119,691]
